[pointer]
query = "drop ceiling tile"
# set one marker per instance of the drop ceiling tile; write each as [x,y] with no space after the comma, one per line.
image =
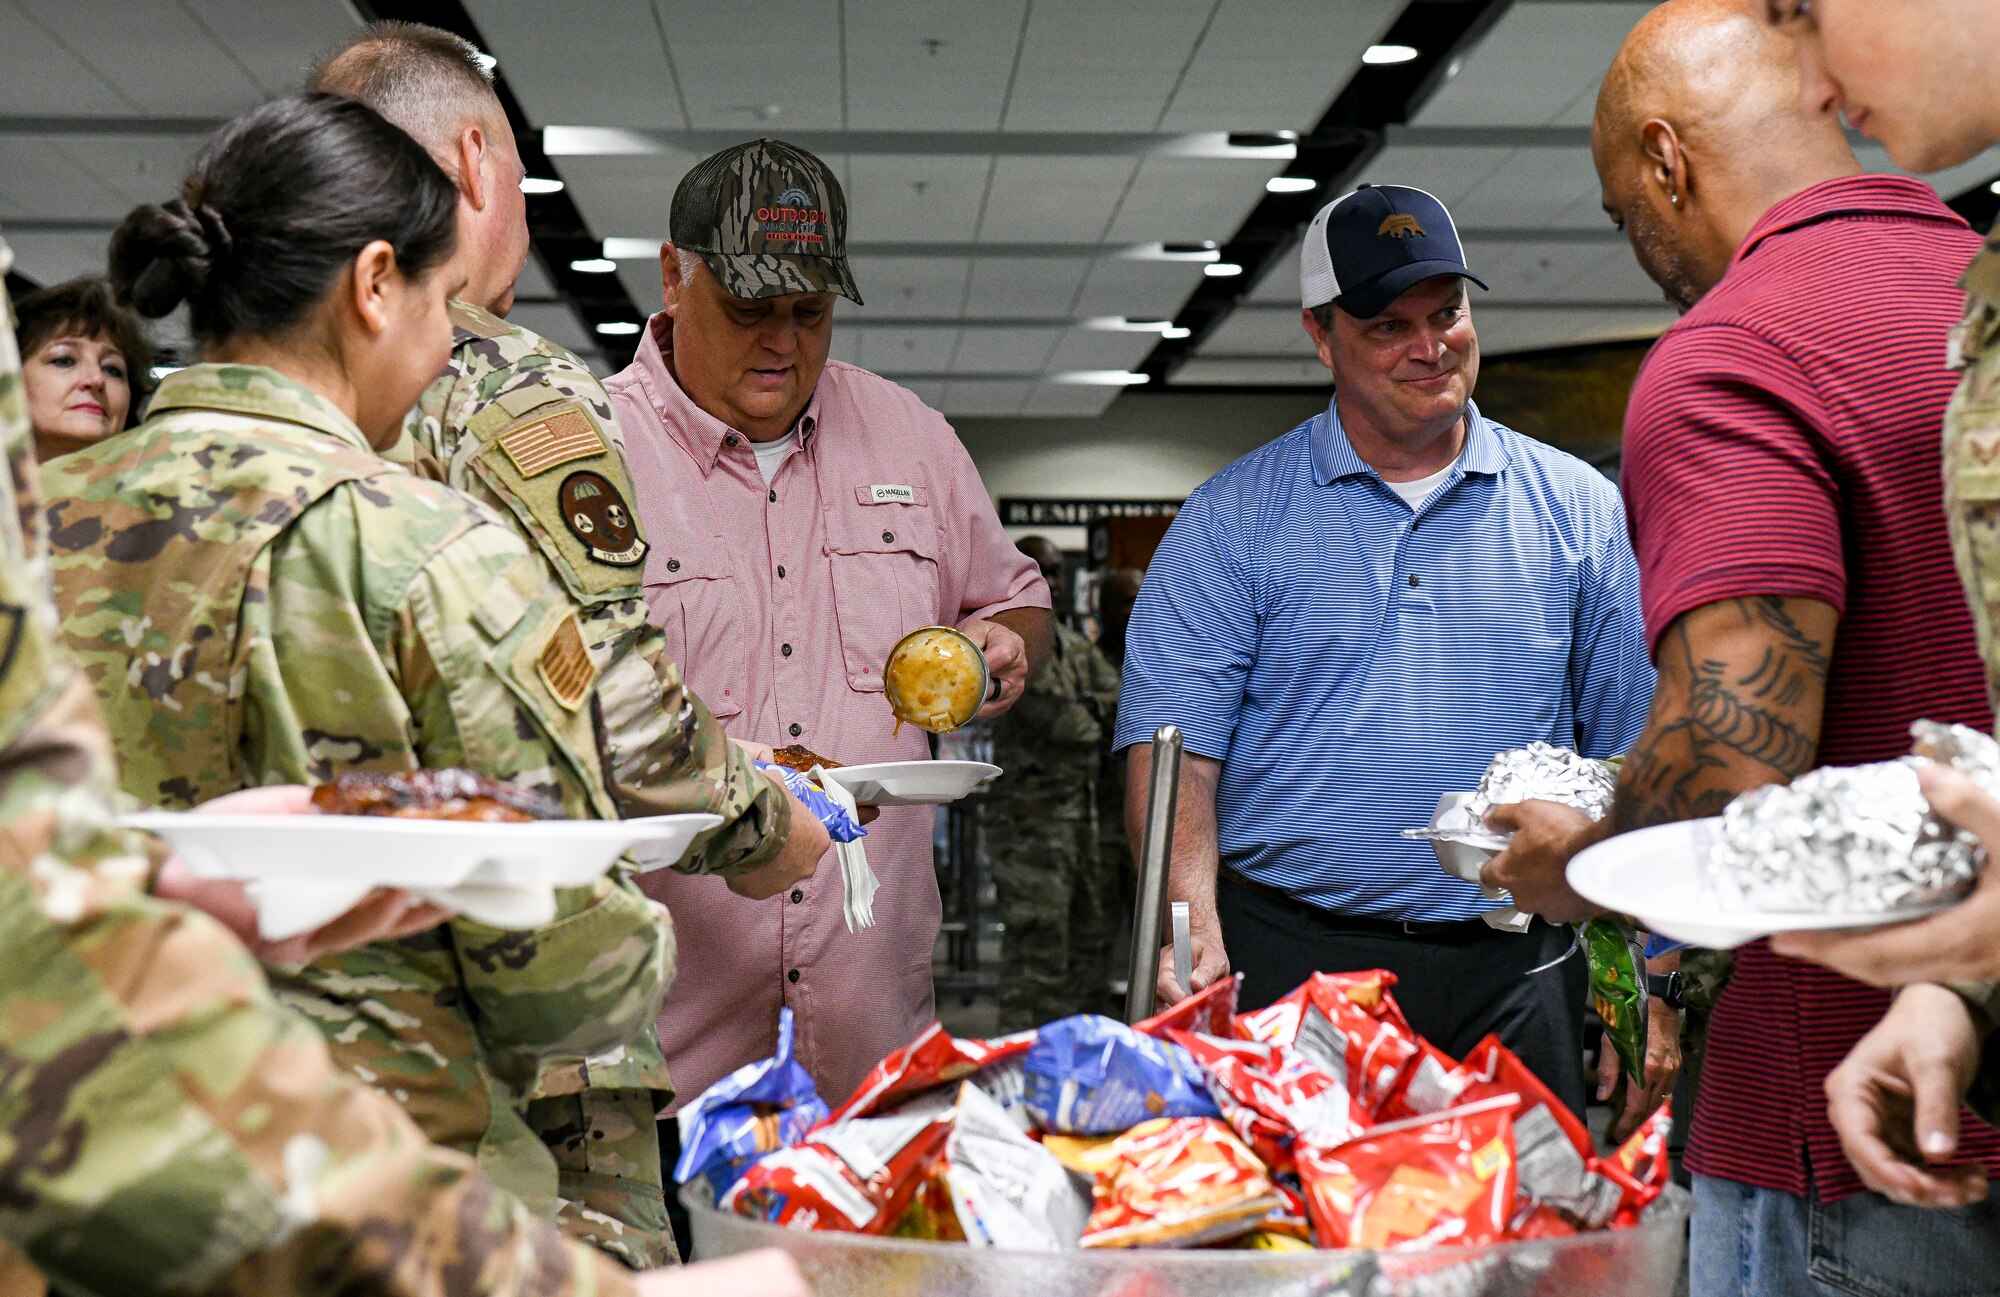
[929,391]
[735,67]
[1178,200]
[1449,174]
[276,43]
[556,323]
[889,350]
[1534,187]
[533,282]
[1109,65]
[1200,372]
[1069,400]
[41,76]
[915,198]
[122,41]
[625,81]
[1026,286]
[48,259]
[44,182]
[1086,348]
[138,169]
[1136,289]
[1042,199]
[1259,332]
[1613,277]
[905,286]
[984,397]
[845,345]
[1537,60]
[1279,285]
[1274,64]
[898,80]
[1004,349]
[628,195]
[1502,331]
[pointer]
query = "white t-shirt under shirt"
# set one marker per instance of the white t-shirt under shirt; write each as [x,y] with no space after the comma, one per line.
[1414,493]
[770,454]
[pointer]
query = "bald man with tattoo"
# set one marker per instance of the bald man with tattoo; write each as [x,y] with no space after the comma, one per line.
[1781,476]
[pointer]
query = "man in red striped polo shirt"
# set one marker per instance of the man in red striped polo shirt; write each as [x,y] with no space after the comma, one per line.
[1780,474]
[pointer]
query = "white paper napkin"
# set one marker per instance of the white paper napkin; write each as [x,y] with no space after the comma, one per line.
[856,876]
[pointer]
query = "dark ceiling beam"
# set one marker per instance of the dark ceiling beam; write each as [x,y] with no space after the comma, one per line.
[558,232]
[1351,132]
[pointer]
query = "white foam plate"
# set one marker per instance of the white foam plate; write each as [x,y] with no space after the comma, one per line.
[913,783]
[305,870]
[1655,875]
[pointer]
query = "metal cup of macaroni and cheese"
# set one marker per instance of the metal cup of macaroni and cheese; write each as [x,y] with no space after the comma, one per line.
[936,679]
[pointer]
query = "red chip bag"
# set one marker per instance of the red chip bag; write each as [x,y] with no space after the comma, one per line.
[1278,1021]
[933,1059]
[1177,1182]
[1272,1096]
[1640,1168]
[1350,1026]
[1208,1011]
[856,1177]
[1443,1180]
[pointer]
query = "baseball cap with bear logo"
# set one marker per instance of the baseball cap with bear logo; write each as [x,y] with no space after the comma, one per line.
[1368,248]
[767,218]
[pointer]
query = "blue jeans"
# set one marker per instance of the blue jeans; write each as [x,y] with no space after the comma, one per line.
[1747,1242]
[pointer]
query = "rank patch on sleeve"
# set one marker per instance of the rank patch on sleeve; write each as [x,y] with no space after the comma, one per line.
[565,665]
[549,443]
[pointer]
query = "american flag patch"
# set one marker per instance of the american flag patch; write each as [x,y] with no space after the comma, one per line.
[551,442]
[565,665]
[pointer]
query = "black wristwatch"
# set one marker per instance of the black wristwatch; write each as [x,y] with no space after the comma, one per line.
[1668,987]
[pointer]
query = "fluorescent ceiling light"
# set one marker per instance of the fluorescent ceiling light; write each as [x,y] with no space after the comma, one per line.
[161,371]
[617,328]
[1101,378]
[594,266]
[1174,333]
[486,62]
[540,185]
[596,141]
[1994,187]
[1221,269]
[1380,55]
[632,249]
[1120,324]
[1280,146]
[1204,250]
[1290,185]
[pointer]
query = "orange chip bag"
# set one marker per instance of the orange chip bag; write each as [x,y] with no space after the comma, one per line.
[856,1177]
[1443,1180]
[1273,1096]
[1178,1182]
[1350,1026]
[934,1058]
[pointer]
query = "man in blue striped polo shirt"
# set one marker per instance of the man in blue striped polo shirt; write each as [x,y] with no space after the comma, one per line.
[1350,622]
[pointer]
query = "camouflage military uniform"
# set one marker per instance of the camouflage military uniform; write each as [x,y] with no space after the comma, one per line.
[521,424]
[258,597]
[1041,835]
[166,1127]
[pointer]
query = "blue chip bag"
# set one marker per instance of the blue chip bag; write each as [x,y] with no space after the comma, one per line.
[1091,1075]
[757,1109]
[840,826]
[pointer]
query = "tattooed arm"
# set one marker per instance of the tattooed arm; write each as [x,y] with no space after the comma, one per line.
[1742,685]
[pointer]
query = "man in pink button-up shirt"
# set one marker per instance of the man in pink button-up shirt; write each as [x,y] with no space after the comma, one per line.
[803,516]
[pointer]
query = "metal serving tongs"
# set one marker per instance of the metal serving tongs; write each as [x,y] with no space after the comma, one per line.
[1155,862]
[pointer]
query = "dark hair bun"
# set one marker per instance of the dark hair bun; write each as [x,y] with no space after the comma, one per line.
[163,253]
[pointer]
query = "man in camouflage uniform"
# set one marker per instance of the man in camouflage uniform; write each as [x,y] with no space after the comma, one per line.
[165,1126]
[521,424]
[1041,829]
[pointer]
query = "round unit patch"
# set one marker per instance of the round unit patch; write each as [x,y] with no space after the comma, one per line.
[598,515]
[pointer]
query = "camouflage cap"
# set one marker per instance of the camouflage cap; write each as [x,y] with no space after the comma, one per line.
[768,218]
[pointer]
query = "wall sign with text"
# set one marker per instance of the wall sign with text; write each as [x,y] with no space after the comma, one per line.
[1029,511]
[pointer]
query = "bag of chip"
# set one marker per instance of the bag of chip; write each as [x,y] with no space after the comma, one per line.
[934,1058]
[1000,1188]
[1443,1180]
[1209,1011]
[1090,1075]
[1180,1182]
[856,1177]
[1551,1146]
[1272,1096]
[757,1109]
[1278,1021]
[1640,1167]
[1617,963]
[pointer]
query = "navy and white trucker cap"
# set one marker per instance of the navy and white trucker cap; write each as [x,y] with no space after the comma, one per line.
[1367,249]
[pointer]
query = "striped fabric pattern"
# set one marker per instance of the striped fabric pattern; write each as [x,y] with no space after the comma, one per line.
[1349,659]
[1783,439]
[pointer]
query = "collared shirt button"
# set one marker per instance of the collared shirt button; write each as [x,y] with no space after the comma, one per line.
[796,731]
[797,896]
[786,649]
[730,440]
[673,565]
[888,538]
[781,571]
[774,495]
[1413,579]
[792,976]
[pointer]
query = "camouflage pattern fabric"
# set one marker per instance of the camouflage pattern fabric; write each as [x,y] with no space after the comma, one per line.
[522,425]
[768,218]
[1972,513]
[165,1126]
[1041,835]
[362,619]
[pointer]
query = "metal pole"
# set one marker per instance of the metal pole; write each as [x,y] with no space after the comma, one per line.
[1155,858]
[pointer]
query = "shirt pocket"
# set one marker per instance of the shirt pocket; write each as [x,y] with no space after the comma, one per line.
[694,599]
[884,558]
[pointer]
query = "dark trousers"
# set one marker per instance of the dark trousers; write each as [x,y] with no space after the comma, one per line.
[1455,982]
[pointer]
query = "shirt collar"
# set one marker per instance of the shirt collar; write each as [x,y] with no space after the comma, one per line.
[1847,196]
[257,391]
[1334,457]
[704,435]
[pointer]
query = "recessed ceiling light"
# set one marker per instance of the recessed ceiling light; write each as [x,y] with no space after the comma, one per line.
[1102,377]
[594,265]
[1221,269]
[1994,187]
[617,328]
[1174,333]
[540,185]
[1290,184]
[1379,55]
[619,248]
